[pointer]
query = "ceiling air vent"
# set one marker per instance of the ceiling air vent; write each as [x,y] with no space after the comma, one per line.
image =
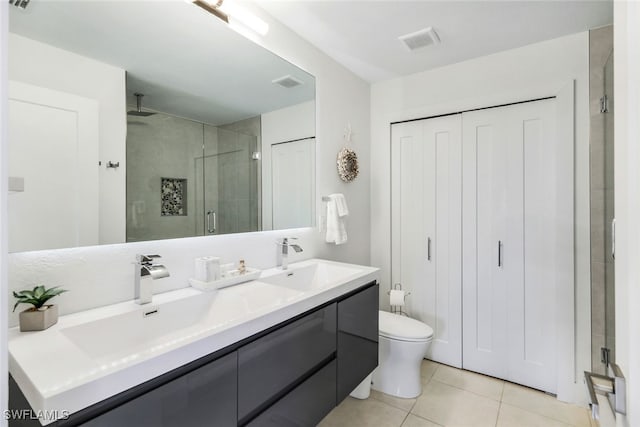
[420,39]
[287,82]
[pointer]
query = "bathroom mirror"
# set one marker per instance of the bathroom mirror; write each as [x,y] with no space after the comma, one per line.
[146,120]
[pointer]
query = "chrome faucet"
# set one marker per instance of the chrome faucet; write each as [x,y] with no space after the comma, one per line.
[145,273]
[283,251]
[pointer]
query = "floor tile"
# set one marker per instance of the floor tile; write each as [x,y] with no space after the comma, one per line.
[451,406]
[427,370]
[364,413]
[415,421]
[470,381]
[511,416]
[546,405]
[398,402]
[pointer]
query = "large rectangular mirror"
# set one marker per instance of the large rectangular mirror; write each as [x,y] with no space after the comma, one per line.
[144,120]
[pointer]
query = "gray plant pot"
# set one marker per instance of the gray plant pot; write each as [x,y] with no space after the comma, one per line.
[38,320]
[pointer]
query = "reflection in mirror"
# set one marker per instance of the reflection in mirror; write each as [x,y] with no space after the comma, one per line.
[207,176]
[220,139]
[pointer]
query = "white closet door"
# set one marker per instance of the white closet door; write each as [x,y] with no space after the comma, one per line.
[426,175]
[531,306]
[509,243]
[485,197]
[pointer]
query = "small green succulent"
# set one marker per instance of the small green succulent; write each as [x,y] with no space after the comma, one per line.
[37,297]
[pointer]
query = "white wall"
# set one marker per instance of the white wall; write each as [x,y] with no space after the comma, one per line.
[103,275]
[341,98]
[529,72]
[4,241]
[283,125]
[46,66]
[627,201]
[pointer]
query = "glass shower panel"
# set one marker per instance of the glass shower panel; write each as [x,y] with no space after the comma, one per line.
[230,182]
[609,213]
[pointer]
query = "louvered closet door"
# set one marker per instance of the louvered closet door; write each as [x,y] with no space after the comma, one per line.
[426,231]
[509,243]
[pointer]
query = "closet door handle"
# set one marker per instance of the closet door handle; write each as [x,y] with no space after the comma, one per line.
[613,238]
[428,248]
[499,253]
[211,230]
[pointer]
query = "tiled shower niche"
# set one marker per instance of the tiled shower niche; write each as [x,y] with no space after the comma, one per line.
[173,194]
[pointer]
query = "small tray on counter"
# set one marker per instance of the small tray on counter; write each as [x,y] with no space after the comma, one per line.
[233,278]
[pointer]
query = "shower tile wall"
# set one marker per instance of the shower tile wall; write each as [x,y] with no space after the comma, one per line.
[160,146]
[225,182]
[600,47]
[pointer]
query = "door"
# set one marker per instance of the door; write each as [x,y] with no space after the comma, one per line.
[426,232]
[53,146]
[509,229]
[292,172]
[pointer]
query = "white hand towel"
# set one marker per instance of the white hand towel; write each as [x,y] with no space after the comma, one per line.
[341,204]
[336,230]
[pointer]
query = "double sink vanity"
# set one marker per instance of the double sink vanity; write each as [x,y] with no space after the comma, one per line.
[284,349]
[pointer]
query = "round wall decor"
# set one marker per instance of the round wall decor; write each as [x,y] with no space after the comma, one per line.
[347,164]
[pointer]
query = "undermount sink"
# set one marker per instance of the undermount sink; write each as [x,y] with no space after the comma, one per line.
[313,275]
[154,327]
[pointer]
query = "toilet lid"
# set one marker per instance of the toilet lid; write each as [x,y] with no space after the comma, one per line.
[403,328]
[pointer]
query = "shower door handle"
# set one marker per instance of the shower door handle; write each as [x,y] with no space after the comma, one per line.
[499,253]
[211,230]
[428,248]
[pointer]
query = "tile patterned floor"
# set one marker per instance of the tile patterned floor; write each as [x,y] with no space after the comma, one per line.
[453,397]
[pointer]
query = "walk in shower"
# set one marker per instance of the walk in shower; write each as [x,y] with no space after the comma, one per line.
[186,178]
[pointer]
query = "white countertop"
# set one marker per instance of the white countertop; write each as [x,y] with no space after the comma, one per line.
[55,373]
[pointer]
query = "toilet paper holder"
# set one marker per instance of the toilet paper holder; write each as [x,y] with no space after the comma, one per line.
[397,309]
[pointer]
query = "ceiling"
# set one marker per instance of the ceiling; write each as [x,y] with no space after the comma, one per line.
[184,60]
[363,35]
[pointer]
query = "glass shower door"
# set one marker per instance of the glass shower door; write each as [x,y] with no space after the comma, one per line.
[609,213]
[230,186]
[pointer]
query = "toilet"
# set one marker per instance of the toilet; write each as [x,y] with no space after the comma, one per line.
[403,343]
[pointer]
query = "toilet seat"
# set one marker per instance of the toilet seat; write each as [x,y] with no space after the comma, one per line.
[401,328]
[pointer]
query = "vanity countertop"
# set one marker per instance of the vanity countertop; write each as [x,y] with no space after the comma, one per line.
[92,355]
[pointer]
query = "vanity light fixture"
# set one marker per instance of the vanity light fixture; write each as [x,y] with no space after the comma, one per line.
[232,13]
[22,4]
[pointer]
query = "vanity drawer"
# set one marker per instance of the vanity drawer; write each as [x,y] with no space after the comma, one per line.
[304,406]
[203,397]
[274,362]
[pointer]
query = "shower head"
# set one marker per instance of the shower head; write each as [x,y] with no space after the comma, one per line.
[138,112]
[22,4]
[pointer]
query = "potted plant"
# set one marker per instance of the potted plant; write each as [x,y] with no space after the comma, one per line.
[41,315]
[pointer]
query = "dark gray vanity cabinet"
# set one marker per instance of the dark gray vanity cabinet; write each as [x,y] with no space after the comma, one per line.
[306,405]
[290,375]
[204,397]
[272,365]
[357,339]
